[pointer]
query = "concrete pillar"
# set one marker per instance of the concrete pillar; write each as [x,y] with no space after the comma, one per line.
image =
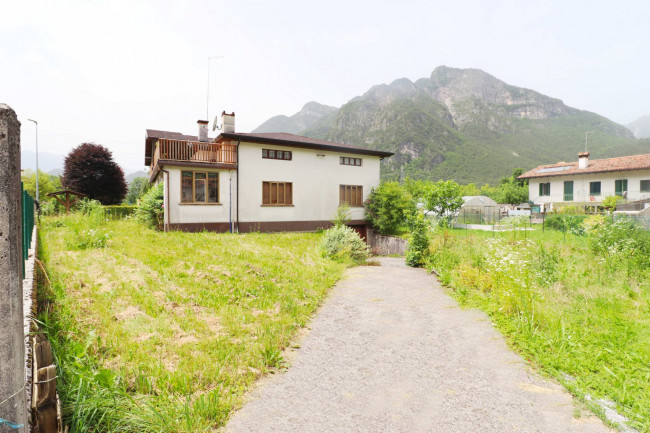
[12,337]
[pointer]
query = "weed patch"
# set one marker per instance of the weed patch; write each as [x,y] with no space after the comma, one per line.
[164,332]
[576,305]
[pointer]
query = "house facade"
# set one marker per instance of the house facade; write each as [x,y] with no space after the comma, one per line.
[588,183]
[263,182]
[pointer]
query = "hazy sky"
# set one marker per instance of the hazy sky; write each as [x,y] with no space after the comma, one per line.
[106,71]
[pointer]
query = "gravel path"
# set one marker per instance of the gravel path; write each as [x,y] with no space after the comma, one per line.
[390,352]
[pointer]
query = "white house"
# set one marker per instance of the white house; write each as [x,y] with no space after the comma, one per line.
[587,183]
[243,182]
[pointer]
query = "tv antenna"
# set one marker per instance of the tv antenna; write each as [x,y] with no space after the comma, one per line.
[207,104]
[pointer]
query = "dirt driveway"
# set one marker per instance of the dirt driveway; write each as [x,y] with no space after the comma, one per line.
[390,352]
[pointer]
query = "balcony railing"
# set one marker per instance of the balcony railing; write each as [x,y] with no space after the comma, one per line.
[194,151]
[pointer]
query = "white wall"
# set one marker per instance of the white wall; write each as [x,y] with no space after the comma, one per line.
[180,213]
[581,186]
[315,181]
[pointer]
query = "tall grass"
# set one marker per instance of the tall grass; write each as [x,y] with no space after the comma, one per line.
[576,306]
[164,332]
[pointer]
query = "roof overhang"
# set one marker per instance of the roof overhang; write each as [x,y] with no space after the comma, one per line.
[306,145]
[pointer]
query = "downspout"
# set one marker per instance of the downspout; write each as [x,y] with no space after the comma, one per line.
[167,209]
[237,217]
[230,203]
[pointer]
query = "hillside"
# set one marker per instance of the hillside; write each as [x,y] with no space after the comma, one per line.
[467,125]
[640,127]
[305,118]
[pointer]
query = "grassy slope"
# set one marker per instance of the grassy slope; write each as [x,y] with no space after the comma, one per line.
[183,322]
[569,311]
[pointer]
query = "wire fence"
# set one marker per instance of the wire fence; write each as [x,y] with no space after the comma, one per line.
[27,211]
[494,218]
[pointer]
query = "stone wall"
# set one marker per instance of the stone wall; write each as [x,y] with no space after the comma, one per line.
[386,245]
[12,338]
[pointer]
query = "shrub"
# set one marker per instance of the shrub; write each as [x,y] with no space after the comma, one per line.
[150,211]
[418,249]
[566,223]
[342,216]
[623,236]
[388,207]
[90,238]
[343,244]
[119,212]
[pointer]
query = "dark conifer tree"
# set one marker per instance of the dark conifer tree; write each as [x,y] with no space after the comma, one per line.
[89,169]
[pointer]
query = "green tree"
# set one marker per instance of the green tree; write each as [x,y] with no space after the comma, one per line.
[47,183]
[443,199]
[137,188]
[469,190]
[417,188]
[388,207]
[511,192]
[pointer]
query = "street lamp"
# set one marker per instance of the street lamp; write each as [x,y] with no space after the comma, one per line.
[36,123]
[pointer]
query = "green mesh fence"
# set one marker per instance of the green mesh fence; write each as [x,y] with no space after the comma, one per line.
[27,207]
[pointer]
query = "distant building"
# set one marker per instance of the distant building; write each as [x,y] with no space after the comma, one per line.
[587,183]
[258,181]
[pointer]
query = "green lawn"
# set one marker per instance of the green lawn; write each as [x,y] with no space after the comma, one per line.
[581,314]
[166,331]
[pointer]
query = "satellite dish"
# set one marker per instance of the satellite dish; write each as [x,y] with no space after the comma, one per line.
[214,124]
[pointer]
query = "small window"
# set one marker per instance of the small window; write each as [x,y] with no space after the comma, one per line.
[213,187]
[545,189]
[344,160]
[199,187]
[352,195]
[620,187]
[277,193]
[645,185]
[276,154]
[594,188]
[186,186]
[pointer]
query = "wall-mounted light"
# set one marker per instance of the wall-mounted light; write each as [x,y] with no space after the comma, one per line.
[320,155]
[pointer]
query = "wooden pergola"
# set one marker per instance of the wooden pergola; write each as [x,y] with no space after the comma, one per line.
[71,197]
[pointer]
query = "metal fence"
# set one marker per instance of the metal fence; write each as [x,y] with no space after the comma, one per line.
[491,218]
[27,207]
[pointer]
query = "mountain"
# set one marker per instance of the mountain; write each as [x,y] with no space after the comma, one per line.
[640,127]
[46,161]
[305,118]
[140,173]
[467,125]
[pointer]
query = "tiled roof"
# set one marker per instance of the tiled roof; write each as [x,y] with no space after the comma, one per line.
[277,138]
[622,163]
[283,138]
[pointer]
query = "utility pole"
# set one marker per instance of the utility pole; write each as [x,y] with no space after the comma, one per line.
[37,197]
[207,103]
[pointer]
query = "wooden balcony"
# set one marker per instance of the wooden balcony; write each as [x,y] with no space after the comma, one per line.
[194,151]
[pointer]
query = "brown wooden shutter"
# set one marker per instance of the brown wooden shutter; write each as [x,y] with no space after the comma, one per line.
[266,193]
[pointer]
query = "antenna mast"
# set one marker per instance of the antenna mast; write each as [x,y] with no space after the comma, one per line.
[207,103]
[587,135]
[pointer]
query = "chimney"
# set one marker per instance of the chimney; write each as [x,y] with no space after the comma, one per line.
[227,122]
[203,130]
[583,160]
